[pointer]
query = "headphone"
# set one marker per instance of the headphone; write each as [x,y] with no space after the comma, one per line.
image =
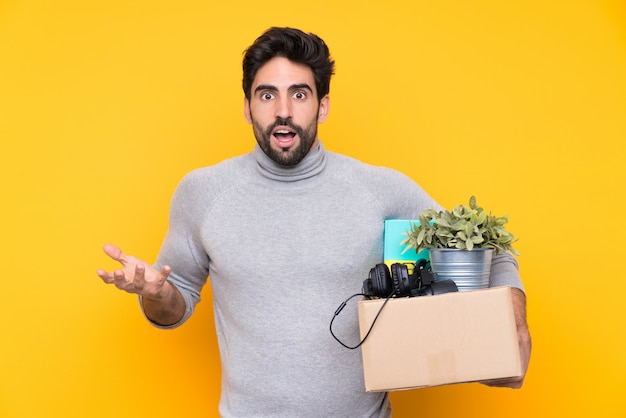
[404,279]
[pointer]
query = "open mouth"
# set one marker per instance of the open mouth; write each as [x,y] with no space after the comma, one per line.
[284,137]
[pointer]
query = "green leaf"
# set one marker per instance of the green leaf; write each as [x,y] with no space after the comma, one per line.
[482,216]
[477,239]
[458,211]
[420,236]
[458,226]
[442,222]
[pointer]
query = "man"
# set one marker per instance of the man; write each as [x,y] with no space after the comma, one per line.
[285,233]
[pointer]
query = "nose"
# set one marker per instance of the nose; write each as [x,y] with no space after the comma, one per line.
[283,108]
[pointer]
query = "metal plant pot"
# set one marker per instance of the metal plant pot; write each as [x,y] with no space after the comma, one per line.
[468,269]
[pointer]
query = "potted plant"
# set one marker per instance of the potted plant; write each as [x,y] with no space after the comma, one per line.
[461,242]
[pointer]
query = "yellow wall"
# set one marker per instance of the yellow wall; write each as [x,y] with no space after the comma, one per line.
[105,105]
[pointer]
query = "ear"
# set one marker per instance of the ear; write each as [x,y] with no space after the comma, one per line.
[246,110]
[324,109]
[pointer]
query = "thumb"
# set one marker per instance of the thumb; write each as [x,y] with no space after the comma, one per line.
[114,252]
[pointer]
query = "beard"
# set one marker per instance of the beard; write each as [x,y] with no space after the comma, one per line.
[286,156]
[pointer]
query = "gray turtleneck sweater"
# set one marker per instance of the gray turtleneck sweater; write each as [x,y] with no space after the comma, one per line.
[284,247]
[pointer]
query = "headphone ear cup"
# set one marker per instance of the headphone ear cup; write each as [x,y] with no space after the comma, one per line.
[381,280]
[400,279]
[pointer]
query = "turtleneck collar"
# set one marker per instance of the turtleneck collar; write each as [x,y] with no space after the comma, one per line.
[310,166]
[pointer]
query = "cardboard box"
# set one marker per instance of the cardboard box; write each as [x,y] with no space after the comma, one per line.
[392,250]
[436,340]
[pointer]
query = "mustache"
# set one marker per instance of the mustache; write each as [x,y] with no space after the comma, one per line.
[284,122]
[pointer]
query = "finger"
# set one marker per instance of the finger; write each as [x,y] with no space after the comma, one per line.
[114,252]
[119,279]
[139,280]
[105,276]
[165,272]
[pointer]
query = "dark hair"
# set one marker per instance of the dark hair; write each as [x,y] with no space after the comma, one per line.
[296,46]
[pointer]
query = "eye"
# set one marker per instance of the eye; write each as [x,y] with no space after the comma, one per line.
[299,95]
[267,96]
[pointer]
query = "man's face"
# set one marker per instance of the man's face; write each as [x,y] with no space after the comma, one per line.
[284,111]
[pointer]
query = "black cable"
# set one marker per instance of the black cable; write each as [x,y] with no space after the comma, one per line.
[343,305]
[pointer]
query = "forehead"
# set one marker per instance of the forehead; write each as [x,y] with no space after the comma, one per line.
[283,73]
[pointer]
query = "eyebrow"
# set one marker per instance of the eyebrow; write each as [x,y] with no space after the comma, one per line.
[274,88]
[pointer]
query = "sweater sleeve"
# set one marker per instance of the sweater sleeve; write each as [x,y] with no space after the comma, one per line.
[505,271]
[182,248]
